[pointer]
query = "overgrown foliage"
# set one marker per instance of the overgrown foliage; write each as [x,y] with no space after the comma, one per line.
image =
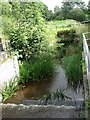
[9,89]
[25,27]
[87,105]
[39,69]
[67,35]
[65,38]
[73,68]
[71,10]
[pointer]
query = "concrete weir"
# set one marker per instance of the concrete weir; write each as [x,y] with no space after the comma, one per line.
[72,108]
[40,111]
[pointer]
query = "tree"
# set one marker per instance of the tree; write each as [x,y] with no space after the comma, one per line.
[77,14]
[88,10]
[80,4]
[56,9]
[58,15]
[46,14]
[66,7]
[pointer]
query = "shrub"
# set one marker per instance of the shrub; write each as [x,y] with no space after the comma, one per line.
[24,26]
[73,68]
[67,35]
[60,52]
[38,69]
[65,38]
[77,14]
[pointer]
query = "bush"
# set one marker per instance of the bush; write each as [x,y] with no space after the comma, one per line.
[73,49]
[66,35]
[65,38]
[38,69]
[25,27]
[77,14]
[60,52]
[73,68]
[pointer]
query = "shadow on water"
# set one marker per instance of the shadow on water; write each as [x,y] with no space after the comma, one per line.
[32,90]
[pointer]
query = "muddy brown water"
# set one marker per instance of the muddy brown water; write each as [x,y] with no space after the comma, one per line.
[32,90]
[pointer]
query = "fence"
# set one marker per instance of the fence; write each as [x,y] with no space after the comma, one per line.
[5,50]
[86,49]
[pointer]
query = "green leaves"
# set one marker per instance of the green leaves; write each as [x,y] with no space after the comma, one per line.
[9,89]
[38,69]
[25,27]
[73,68]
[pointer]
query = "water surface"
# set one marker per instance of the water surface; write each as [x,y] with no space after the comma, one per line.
[32,90]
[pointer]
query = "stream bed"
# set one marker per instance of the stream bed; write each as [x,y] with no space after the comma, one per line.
[25,105]
[33,90]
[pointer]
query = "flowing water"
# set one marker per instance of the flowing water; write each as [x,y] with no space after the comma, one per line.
[36,89]
[25,104]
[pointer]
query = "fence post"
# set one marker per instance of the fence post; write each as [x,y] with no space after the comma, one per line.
[87,58]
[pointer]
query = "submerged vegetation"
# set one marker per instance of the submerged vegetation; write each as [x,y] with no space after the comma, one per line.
[58,95]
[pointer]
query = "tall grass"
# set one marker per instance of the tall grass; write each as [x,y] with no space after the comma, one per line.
[9,89]
[38,69]
[73,68]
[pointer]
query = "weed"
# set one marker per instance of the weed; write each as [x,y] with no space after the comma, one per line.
[59,94]
[9,89]
[73,68]
[38,69]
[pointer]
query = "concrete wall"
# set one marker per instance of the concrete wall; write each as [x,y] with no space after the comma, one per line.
[8,70]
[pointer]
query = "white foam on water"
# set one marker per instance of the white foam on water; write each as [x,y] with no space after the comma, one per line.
[21,106]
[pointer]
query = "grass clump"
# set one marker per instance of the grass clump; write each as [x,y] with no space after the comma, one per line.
[87,105]
[58,95]
[9,89]
[73,68]
[38,69]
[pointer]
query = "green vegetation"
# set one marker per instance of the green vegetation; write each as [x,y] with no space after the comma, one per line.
[59,94]
[87,105]
[71,10]
[73,68]
[25,29]
[78,14]
[69,49]
[9,89]
[66,40]
[39,44]
[39,69]
[67,36]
